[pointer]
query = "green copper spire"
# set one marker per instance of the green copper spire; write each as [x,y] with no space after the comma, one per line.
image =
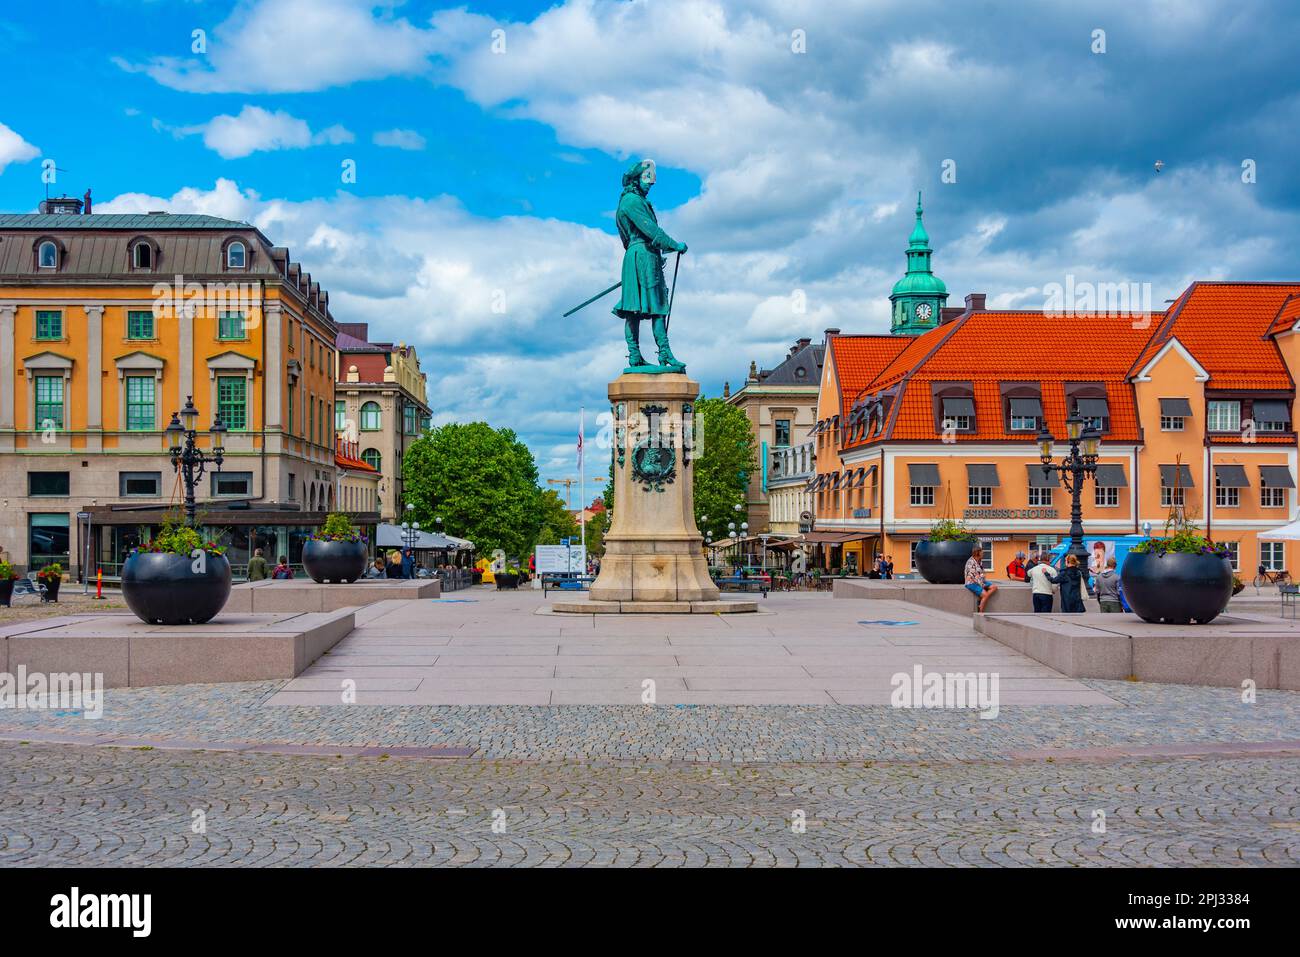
[920,295]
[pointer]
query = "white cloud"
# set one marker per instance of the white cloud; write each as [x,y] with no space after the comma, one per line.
[256,129]
[400,139]
[14,149]
[293,46]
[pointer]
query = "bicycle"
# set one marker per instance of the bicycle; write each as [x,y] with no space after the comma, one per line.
[1266,577]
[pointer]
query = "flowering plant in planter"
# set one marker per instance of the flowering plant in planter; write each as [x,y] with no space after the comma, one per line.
[1185,541]
[950,530]
[337,527]
[52,571]
[180,540]
[7,573]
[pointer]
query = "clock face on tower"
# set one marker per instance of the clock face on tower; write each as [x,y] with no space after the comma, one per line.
[923,311]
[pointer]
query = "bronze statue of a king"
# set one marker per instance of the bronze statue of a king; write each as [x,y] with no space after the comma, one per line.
[644,294]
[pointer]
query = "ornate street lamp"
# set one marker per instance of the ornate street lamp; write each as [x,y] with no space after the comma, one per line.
[187,458]
[1079,464]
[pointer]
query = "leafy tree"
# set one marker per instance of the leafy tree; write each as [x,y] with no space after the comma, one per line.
[728,456]
[556,521]
[482,482]
[597,526]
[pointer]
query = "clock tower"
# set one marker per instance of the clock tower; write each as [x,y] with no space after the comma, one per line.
[919,296]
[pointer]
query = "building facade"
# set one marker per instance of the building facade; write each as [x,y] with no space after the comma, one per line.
[1194,406]
[358,481]
[781,405]
[108,324]
[382,405]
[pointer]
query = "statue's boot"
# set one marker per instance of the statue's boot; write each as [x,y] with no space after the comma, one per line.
[632,333]
[666,357]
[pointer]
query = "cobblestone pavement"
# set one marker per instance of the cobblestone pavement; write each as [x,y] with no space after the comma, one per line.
[65,805]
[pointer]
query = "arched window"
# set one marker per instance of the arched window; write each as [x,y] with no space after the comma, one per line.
[48,255]
[142,255]
[370,417]
[372,458]
[236,255]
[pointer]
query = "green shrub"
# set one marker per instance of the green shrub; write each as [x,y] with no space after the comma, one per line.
[180,539]
[52,570]
[1186,541]
[7,572]
[950,530]
[338,528]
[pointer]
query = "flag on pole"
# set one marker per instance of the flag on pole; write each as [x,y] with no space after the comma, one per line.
[582,487]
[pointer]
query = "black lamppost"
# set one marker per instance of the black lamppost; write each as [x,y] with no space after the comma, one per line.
[1074,468]
[187,458]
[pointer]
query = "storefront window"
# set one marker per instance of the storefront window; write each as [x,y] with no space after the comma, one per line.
[47,539]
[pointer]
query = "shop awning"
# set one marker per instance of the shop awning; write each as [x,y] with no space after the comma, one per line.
[1231,476]
[959,405]
[1028,408]
[1276,476]
[982,476]
[1111,476]
[1039,479]
[1176,408]
[836,538]
[1286,533]
[923,474]
[1271,410]
[1183,473]
[392,536]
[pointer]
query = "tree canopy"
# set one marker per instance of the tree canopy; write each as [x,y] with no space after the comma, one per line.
[722,470]
[481,481]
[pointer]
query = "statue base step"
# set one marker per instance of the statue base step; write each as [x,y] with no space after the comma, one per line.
[654,607]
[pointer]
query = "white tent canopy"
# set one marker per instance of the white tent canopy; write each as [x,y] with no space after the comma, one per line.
[392,536]
[1286,533]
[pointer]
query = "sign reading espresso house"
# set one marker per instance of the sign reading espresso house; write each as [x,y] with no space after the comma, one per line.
[972,514]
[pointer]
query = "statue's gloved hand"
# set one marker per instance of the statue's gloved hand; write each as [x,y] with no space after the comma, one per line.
[681,247]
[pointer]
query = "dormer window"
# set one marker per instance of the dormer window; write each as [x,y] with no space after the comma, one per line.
[236,255]
[1272,416]
[47,255]
[142,254]
[1088,401]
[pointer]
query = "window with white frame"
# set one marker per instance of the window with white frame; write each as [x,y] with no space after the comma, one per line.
[1223,416]
[1106,497]
[911,555]
[1172,497]
[986,559]
[1272,555]
[980,495]
[922,495]
[1272,497]
[1234,553]
[1040,496]
[1172,423]
[1225,497]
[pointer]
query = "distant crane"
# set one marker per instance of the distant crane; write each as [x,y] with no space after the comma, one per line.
[568,484]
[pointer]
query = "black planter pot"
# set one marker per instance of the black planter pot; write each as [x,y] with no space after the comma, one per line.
[504,580]
[334,561]
[164,589]
[943,563]
[6,592]
[51,588]
[1176,588]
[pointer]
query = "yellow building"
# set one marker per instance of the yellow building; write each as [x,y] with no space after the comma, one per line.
[108,323]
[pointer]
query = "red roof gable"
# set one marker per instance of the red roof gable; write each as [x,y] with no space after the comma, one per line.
[859,359]
[1225,327]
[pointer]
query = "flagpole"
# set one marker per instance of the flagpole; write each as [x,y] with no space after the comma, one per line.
[582,482]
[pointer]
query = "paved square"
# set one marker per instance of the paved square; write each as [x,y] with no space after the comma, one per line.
[803,649]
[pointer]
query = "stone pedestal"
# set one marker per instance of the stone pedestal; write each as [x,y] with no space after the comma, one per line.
[653,550]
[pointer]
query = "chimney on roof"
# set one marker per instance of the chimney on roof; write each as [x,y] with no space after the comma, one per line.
[975,302]
[61,206]
[86,199]
[832,332]
[803,343]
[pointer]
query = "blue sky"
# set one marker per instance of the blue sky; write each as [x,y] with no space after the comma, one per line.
[488,175]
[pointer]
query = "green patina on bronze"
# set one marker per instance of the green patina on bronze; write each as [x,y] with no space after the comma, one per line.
[917,300]
[645,294]
[654,457]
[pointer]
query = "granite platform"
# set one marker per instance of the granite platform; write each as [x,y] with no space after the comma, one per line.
[592,607]
[1224,653]
[131,654]
[1011,596]
[303,594]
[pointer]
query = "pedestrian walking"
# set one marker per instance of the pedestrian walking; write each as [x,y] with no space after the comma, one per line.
[1040,580]
[1108,588]
[256,566]
[1073,584]
[283,570]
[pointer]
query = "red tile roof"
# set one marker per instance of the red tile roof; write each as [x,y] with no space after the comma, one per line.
[1225,326]
[859,359]
[1286,316]
[991,347]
